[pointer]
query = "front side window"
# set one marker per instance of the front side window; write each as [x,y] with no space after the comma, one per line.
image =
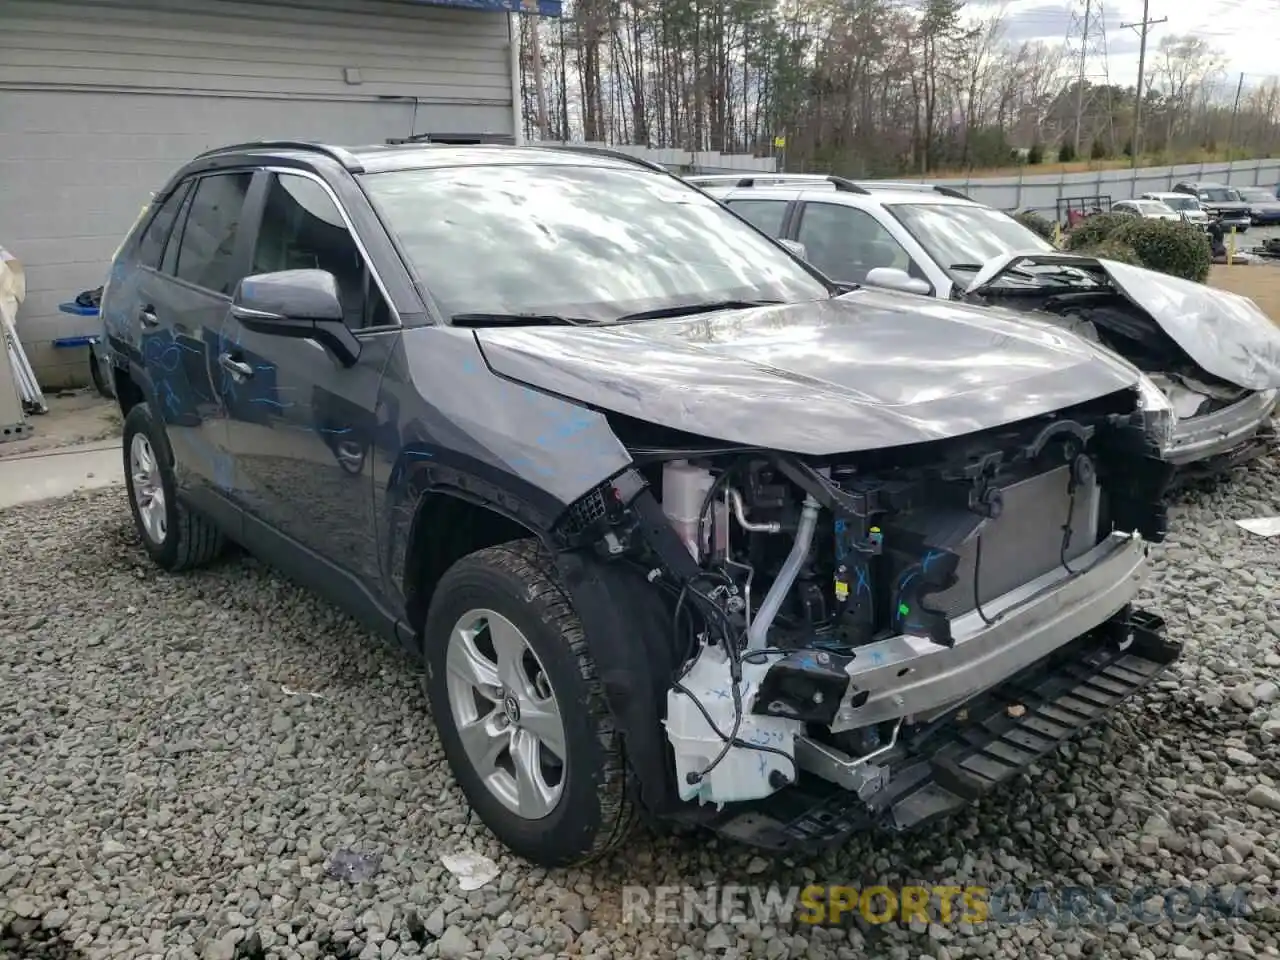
[302,229]
[846,243]
[765,214]
[1254,195]
[961,238]
[578,241]
[151,246]
[206,256]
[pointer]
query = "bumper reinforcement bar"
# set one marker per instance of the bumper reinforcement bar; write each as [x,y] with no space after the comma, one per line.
[938,769]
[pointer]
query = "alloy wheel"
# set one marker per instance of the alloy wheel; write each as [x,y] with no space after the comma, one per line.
[148,489]
[506,713]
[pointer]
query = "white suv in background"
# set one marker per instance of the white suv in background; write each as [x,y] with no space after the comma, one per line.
[1214,355]
[918,238]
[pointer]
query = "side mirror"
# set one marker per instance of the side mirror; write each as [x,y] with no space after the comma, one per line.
[303,304]
[796,247]
[896,279]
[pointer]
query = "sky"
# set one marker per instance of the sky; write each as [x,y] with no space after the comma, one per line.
[1247,32]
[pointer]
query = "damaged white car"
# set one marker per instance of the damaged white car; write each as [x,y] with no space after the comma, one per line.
[1215,354]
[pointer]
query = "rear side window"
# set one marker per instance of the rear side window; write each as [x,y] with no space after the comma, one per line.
[767,215]
[206,256]
[151,247]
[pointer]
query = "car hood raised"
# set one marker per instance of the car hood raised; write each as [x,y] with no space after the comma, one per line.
[866,370]
[1225,333]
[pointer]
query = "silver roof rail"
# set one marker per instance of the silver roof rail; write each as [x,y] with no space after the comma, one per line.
[841,184]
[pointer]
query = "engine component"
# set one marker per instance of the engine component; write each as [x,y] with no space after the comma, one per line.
[684,490]
[806,685]
[757,636]
[704,716]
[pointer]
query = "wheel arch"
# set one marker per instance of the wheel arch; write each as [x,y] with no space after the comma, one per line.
[625,619]
[449,523]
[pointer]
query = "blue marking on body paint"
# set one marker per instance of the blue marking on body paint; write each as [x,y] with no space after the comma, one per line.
[265,367]
[929,558]
[188,347]
[722,694]
[877,657]
[275,403]
[419,453]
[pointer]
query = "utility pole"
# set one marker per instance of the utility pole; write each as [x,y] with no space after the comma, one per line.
[539,87]
[1143,27]
[1084,57]
[1235,109]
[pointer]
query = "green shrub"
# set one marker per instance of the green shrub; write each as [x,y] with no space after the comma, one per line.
[1036,223]
[1093,230]
[1036,153]
[1098,151]
[1170,246]
[1066,153]
[1112,249]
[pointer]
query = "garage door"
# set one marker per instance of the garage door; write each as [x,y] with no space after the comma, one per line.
[102,100]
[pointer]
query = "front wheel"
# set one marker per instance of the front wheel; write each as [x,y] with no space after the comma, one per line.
[520,711]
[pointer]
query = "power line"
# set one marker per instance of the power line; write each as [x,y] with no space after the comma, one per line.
[1135,136]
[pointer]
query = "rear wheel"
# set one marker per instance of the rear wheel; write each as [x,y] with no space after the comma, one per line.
[175,537]
[520,711]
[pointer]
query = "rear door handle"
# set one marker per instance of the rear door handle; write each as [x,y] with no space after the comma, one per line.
[239,370]
[148,317]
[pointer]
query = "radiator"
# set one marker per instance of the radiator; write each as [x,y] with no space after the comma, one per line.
[1025,541]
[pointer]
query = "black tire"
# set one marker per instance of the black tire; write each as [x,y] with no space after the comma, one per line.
[190,540]
[95,373]
[594,813]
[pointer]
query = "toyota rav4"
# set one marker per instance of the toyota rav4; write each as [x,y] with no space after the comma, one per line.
[679,527]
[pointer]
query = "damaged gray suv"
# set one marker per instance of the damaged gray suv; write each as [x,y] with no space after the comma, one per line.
[680,528]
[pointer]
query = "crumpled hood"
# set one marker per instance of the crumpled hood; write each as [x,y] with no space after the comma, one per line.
[1225,333]
[867,370]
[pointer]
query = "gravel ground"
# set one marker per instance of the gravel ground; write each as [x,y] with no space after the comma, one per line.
[181,758]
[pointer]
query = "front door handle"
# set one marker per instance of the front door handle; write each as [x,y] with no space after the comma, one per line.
[147,315]
[239,370]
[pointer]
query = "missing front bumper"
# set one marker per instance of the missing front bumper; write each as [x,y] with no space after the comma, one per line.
[1226,437]
[939,768]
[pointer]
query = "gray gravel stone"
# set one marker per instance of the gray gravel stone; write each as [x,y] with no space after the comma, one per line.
[187,753]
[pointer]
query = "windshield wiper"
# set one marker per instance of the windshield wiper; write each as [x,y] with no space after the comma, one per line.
[508,319]
[966,266]
[688,309]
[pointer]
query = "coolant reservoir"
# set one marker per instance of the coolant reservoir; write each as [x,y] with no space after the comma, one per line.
[684,487]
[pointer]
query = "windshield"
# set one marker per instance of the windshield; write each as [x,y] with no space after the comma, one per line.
[1254,195]
[1219,195]
[1181,203]
[960,237]
[1151,207]
[586,242]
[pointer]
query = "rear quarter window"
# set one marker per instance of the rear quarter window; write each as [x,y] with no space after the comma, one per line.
[151,246]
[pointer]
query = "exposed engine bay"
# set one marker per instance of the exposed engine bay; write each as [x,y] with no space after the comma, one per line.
[824,610]
[1082,297]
